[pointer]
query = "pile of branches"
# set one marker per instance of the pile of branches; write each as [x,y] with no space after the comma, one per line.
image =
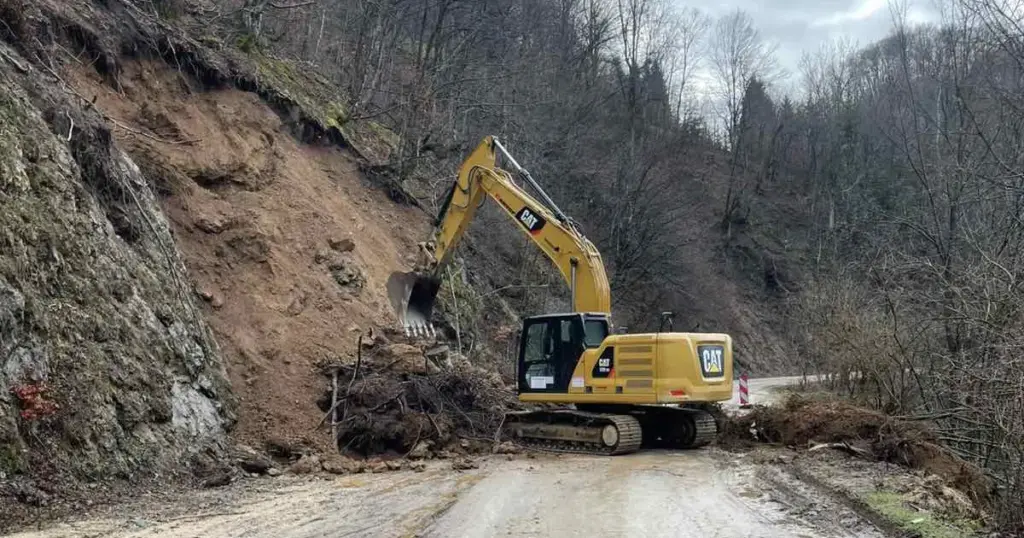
[384,407]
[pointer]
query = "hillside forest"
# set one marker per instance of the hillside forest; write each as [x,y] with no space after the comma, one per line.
[865,220]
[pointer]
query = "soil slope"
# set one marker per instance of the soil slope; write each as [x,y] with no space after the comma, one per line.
[285,242]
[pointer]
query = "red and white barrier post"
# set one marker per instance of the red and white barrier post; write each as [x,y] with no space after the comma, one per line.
[744,392]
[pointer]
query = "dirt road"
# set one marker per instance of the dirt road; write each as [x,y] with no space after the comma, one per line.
[705,493]
[701,494]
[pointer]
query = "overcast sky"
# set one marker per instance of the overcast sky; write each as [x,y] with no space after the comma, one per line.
[803,25]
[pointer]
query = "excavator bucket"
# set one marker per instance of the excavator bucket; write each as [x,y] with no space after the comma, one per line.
[412,296]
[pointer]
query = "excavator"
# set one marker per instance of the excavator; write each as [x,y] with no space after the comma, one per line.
[607,392]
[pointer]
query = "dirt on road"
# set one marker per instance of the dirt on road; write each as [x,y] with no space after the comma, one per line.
[702,494]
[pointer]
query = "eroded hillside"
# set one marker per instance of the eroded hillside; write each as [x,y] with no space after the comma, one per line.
[108,368]
[175,262]
[286,243]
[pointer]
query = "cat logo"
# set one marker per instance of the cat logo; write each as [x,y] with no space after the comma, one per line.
[530,220]
[712,360]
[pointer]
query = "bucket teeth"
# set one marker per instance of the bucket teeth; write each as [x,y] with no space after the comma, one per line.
[420,330]
[412,296]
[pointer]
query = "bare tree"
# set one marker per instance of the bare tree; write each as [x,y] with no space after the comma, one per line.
[737,55]
[684,59]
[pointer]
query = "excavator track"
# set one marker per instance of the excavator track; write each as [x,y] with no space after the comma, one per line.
[575,432]
[704,426]
[641,426]
[678,428]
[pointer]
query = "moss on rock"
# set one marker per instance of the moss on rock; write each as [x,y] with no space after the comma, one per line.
[104,317]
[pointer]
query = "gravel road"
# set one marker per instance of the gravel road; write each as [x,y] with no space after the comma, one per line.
[705,493]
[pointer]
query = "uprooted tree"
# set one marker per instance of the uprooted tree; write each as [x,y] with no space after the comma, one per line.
[397,397]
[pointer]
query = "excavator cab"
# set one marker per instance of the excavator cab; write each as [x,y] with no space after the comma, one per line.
[551,346]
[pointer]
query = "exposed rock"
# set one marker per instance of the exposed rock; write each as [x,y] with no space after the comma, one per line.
[463,463]
[325,256]
[217,480]
[306,465]
[353,466]
[273,471]
[420,451]
[251,461]
[406,358]
[212,297]
[213,225]
[345,244]
[439,355]
[418,466]
[28,493]
[285,448]
[374,338]
[194,413]
[343,267]
[347,274]
[25,365]
[95,299]
[12,308]
[335,467]
[297,304]
[508,447]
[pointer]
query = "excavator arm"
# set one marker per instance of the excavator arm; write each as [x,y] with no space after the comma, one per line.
[545,224]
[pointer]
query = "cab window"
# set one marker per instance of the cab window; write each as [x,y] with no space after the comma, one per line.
[595,331]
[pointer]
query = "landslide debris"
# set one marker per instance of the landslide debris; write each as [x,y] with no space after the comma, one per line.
[151,178]
[414,401]
[813,423]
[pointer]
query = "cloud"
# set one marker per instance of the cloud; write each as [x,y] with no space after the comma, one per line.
[861,12]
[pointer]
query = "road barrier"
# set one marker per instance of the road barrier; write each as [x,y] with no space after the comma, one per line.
[744,392]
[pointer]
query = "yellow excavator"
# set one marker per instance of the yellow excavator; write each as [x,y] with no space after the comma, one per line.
[614,393]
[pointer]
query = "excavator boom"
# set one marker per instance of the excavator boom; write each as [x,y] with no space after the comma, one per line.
[413,294]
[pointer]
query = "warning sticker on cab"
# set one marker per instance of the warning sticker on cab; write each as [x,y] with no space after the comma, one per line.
[541,382]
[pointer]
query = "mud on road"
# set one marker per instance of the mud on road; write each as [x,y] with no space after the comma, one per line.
[705,493]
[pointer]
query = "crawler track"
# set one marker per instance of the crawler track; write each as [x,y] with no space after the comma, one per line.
[576,432]
[589,430]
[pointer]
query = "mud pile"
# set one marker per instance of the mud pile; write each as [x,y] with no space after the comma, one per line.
[419,400]
[808,423]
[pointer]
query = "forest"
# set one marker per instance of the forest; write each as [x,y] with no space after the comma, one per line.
[872,215]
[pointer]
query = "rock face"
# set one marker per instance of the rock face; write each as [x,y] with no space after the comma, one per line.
[98,320]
